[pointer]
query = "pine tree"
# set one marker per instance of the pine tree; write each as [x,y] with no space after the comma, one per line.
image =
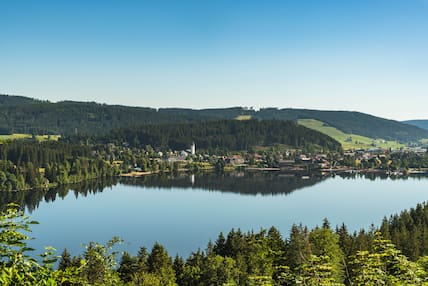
[65,260]
[298,248]
[127,267]
[160,264]
[325,243]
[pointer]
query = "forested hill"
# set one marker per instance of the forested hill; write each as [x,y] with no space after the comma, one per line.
[421,123]
[346,121]
[354,123]
[69,118]
[26,115]
[225,134]
[13,100]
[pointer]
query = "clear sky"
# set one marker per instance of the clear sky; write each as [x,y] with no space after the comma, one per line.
[364,55]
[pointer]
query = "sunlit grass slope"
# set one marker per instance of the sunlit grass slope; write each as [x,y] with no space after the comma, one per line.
[243,117]
[349,141]
[18,136]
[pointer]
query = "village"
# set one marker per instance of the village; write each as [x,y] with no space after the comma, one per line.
[402,162]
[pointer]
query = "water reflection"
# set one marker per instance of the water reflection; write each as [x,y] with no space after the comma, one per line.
[256,183]
[31,199]
[241,183]
[183,215]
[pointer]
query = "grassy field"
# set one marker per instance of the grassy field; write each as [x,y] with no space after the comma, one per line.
[18,136]
[14,137]
[243,117]
[47,137]
[349,141]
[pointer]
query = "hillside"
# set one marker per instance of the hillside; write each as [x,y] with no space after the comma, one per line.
[13,100]
[69,117]
[349,141]
[346,121]
[353,123]
[226,135]
[421,123]
[26,115]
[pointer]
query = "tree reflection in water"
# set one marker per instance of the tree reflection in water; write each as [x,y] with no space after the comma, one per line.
[248,183]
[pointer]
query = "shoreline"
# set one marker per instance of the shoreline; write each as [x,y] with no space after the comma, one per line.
[295,170]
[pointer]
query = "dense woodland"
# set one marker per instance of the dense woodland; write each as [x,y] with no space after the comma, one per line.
[26,115]
[225,134]
[30,164]
[321,256]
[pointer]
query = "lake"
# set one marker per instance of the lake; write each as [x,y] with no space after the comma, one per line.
[183,213]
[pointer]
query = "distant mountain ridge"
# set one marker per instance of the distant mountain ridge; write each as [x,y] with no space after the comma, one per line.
[421,123]
[26,115]
[13,100]
[347,121]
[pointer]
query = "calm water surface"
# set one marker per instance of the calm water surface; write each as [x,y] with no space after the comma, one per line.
[184,216]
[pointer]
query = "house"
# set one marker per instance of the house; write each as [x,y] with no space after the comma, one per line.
[236,160]
[304,159]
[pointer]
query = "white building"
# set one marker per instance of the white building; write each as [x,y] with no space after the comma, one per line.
[193,149]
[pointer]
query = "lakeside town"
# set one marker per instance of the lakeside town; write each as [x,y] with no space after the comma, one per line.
[401,162]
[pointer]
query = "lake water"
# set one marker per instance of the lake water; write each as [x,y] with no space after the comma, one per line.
[184,213]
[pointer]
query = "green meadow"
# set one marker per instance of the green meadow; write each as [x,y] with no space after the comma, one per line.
[243,117]
[349,141]
[19,136]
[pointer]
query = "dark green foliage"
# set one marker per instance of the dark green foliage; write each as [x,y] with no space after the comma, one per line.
[127,266]
[65,260]
[25,115]
[298,247]
[220,245]
[28,164]
[22,115]
[225,134]
[160,264]
[407,160]
[13,100]
[142,264]
[325,244]
[179,268]
[409,231]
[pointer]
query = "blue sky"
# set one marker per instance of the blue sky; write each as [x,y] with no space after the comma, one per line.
[364,55]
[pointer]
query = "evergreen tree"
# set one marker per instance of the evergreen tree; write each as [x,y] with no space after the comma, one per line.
[142,256]
[127,267]
[298,248]
[160,264]
[220,245]
[325,244]
[65,260]
[179,269]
